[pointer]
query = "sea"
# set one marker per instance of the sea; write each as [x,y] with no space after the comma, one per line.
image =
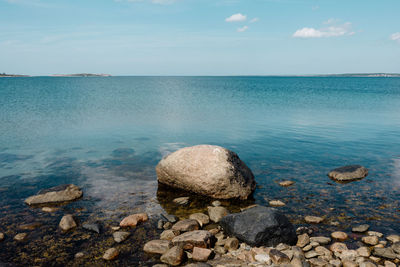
[107,134]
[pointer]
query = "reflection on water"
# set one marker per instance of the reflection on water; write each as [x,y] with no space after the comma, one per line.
[107,135]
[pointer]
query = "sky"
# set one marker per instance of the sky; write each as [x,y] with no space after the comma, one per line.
[199,37]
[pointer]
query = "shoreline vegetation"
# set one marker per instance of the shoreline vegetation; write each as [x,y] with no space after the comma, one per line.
[344,75]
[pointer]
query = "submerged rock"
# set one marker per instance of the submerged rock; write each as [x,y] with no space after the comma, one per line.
[360,228]
[55,195]
[1,236]
[313,219]
[120,236]
[260,226]
[133,220]
[348,173]
[207,170]
[91,227]
[111,254]
[67,222]
[21,237]
[217,213]
[181,200]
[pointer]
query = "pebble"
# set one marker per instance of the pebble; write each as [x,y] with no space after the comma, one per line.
[111,254]
[219,250]
[278,257]
[92,227]
[393,238]
[20,237]
[303,230]
[313,219]
[50,209]
[217,213]
[115,228]
[347,263]
[160,224]
[335,262]
[201,218]
[318,262]
[360,228]
[120,236]
[367,264]
[396,247]
[173,256]
[384,253]
[67,222]
[338,247]
[181,200]
[364,251]
[276,203]
[231,243]
[157,246]
[375,233]
[133,220]
[370,240]
[303,240]
[389,264]
[308,247]
[311,254]
[29,226]
[171,218]
[79,255]
[286,183]
[216,203]
[341,236]
[201,254]
[320,239]
[167,225]
[1,236]
[169,234]
[186,225]
[263,258]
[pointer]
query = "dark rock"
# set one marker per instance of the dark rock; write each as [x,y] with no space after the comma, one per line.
[260,226]
[92,227]
[171,218]
[348,173]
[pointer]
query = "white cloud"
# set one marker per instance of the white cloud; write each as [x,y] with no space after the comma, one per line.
[254,20]
[160,2]
[236,17]
[242,29]
[395,37]
[331,31]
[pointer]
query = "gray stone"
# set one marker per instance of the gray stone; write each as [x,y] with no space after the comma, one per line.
[56,194]
[157,246]
[207,170]
[396,247]
[67,222]
[201,218]
[91,227]
[348,173]
[360,228]
[120,236]
[260,226]
[216,203]
[387,253]
[171,218]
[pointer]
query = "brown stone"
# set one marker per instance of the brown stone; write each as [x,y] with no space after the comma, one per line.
[169,234]
[347,263]
[173,256]
[303,240]
[393,238]
[29,226]
[199,238]
[157,246]
[370,240]
[313,219]
[217,213]
[186,225]
[201,218]
[320,240]
[201,254]
[278,257]
[318,262]
[207,170]
[67,222]
[133,220]
[60,194]
[111,254]
[338,247]
[338,235]
[364,252]
[1,236]
[286,183]
[231,243]
[20,237]
[50,209]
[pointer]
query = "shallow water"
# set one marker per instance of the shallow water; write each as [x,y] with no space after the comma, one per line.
[107,134]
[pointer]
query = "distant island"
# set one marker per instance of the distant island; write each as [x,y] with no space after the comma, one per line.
[81,75]
[359,75]
[12,75]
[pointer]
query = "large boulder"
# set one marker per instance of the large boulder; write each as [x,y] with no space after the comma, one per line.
[62,193]
[207,170]
[260,226]
[348,173]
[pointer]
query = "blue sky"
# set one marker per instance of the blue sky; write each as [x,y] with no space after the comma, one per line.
[199,37]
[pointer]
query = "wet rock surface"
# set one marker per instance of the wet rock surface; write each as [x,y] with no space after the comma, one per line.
[260,226]
[55,195]
[348,173]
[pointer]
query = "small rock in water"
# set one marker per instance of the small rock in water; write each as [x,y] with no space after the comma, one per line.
[276,203]
[133,220]
[29,226]
[120,236]
[115,228]
[67,222]
[50,209]
[364,252]
[167,225]
[370,240]
[111,254]
[393,238]
[338,247]
[56,194]
[79,255]
[168,234]
[374,233]
[201,254]
[201,218]
[360,228]
[216,203]
[387,253]
[92,227]
[186,225]
[313,219]
[217,213]
[304,230]
[348,173]
[157,246]
[320,240]
[341,236]
[173,256]
[303,240]
[181,200]
[160,224]
[171,218]
[1,236]
[286,183]
[20,237]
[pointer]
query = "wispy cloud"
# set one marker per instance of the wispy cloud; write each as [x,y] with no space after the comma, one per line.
[243,29]
[333,30]
[236,18]
[254,20]
[159,2]
[395,37]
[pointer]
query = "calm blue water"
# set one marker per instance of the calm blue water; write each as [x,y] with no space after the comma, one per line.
[107,134]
